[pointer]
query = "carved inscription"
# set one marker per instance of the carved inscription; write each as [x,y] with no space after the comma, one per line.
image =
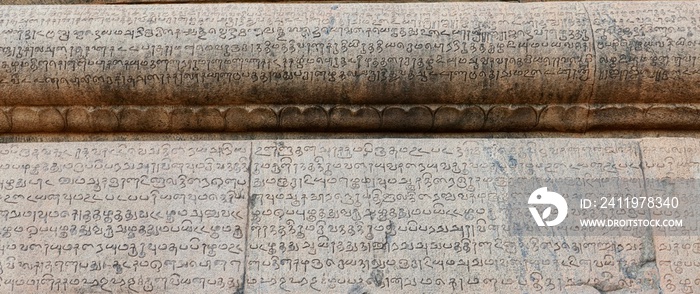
[636,42]
[116,217]
[259,50]
[348,53]
[304,216]
[418,216]
[677,257]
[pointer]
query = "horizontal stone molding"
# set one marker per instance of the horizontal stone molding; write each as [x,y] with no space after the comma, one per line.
[403,67]
[350,118]
[349,53]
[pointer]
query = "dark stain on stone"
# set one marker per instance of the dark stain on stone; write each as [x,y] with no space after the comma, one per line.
[377,276]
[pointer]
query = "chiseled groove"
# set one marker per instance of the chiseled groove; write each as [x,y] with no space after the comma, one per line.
[349,118]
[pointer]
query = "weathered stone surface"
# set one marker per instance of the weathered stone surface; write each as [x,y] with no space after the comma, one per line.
[354,118]
[676,257]
[135,214]
[351,216]
[374,204]
[419,66]
[389,53]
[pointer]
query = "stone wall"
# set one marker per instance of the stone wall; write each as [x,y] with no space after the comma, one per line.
[350,216]
[440,67]
[350,148]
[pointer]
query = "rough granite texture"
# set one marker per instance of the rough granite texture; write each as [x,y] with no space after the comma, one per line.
[152,148]
[344,216]
[359,67]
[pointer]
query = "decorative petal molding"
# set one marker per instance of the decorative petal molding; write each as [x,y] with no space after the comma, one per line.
[349,118]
